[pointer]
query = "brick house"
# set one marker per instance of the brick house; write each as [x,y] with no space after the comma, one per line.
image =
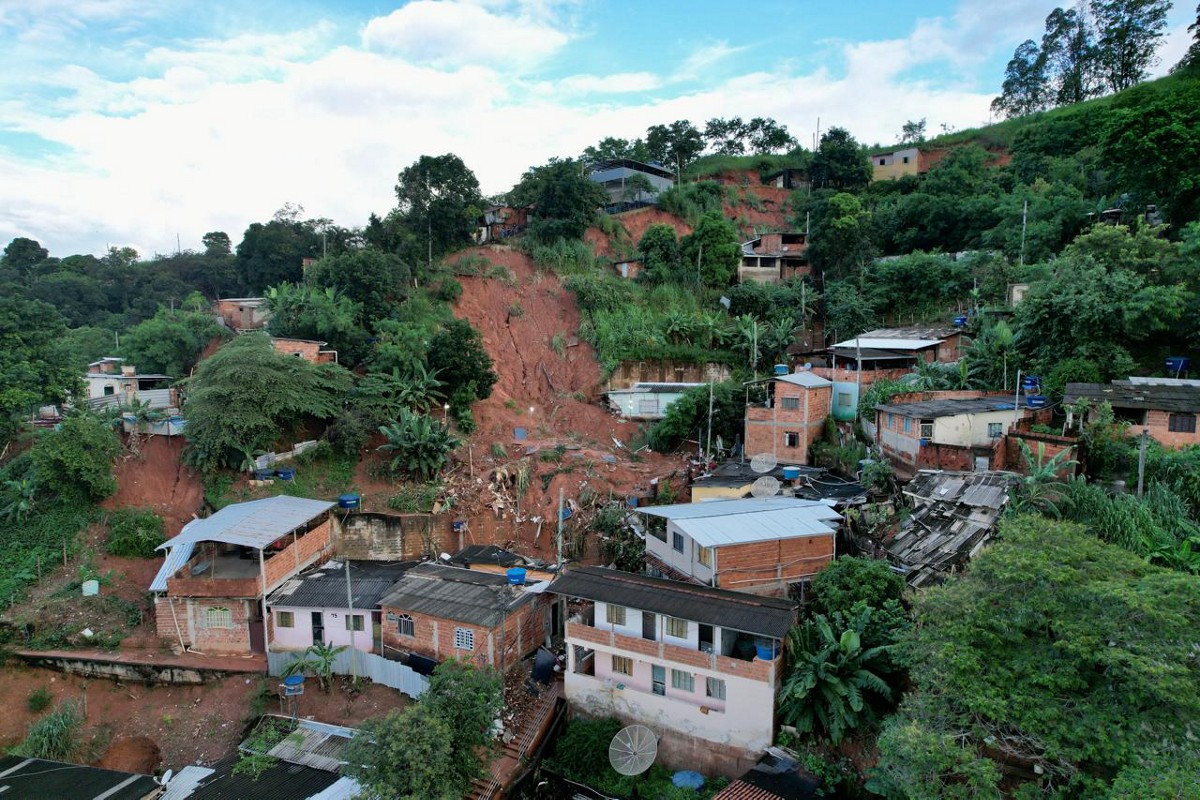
[308,349]
[243,313]
[948,430]
[758,545]
[791,419]
[700,666]
[210,593]
[314,607]
[442,612]
[775,257]
[1166,408]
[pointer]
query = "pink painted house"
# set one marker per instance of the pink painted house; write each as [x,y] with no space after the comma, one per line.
[315,608]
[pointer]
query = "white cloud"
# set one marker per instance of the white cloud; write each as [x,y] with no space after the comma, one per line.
[617,83]
[452,33]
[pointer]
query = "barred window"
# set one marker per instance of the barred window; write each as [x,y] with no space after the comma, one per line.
[1181,423]
[464,639]
[218,618]
[405,625]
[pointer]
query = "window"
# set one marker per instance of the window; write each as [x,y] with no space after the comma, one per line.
[705,556]
[677,542]
[715,688]
[905,160]
[622,665]
[658,680]
[218,618]
[354,622]
[791,439]
[1181,423]
[285,619]
[790,403]
[995,430]
[464,639]
[926,429]
[890,424]
[405,625]
[614,615]
[844,400]
[685,681]
[907,425]
[110,390]
[880,162]
[677,627]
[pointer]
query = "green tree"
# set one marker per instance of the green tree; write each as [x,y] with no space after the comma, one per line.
[21,255]
[675,145]
[217,244]
[840,162]
[841,241]
[170,342]
[75,460]
[383,394]
[847,312]
[688,416]
[1130,31]
[850,580]
[659,249]
[1069,51]
[610,148]
[35,365]
[438,200]
[406,755]
[421,445]
[318,659]
[711,251]
[1056,651]
[376,281]
[460,360]
[768,136]
[273,252]
[243,398]
[726,136]
[300,311]
[564,199]
[913,132]
[1025,84]
[468,699]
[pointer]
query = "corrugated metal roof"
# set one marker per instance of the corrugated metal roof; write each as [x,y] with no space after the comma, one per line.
[343,789]
[761,616]
[1123,394]
[325,587]
[454,593]
[177,556]
[254,524]
[719,508]
[881,343]
[805,379]
[36,777]
[185,782]
[283,780]
[760,526]
[949,407]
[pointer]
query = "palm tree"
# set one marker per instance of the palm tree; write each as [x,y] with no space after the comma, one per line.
[1041,489]
[421,444]
[22,496]
[317,659]
[833,680]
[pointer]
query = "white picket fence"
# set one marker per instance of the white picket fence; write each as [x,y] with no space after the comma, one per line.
[366,665]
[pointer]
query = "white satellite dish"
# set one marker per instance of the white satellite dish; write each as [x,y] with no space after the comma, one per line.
[633,750]
[766,486]
[763,462]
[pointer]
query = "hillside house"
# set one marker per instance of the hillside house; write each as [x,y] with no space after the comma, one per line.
[110,381]
[701,666]
[775,257]
[497,223]
[758,545]
[621,177]
[211,592]
[646,400]
[439,612]
[315,607]
[947,430]
[1166,408]
[308,349]
[789,178]
[882,354]
[791,419]
[919,159]
[242,313]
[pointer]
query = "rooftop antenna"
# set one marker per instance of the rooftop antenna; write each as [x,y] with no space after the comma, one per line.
[633,750]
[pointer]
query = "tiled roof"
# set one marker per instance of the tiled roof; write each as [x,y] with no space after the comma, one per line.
[763,616]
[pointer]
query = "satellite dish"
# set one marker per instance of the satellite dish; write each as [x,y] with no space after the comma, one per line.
[166,778]
[766,486]
[633,750]
[763,462]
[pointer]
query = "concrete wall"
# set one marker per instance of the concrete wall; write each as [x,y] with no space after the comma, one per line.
[395,537]
[686,562]
[631,372]
[887,166]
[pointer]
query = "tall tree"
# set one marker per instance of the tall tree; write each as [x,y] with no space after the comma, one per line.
[726,136]
[273,252]
[565,200]
[675,145]
[913,131]
[438,199]
[376,280]
[1191,59]
[1024,90]
[22,255]
[659,249]
[711,251]
[35,365]
[1129,33]
[768,136]
[216,243]
[170,342]
[841,241]
[840,162]
[1069,52]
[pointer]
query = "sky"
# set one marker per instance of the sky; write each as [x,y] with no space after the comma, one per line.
[148,124]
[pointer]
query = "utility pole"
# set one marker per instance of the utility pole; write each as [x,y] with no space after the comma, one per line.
[1142,461]
[1024,223]
[857,379]
[1017,400]
[708,447]
[350,623]
[558,539]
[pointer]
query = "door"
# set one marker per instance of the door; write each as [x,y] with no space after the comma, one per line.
[648,625]
[318,628]
[258,635]
[982,463]
[658,679]
[706,638]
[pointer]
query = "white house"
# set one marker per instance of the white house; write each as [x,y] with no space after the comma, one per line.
[699,666]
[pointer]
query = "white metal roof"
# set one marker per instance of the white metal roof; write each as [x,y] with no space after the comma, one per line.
[725,522]
[867,342]
[720,508]
[176,558]
[805,379]
[1163,381]
[253,524]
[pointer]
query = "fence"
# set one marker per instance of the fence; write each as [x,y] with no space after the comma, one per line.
[268,460]
[366,665]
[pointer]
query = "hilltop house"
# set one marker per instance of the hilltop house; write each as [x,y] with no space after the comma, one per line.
[211,591]
[1165,408]
[947,430]
[308,349]
[315,607]
[242,313]
[439,612]
[624,179]
[918,159]
[759,545]
[774,257]
[112,382]
[791,419]
[497,223]
[701,666]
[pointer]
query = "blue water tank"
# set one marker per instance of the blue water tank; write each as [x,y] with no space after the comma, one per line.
[1031,383]
[791,473]
[1178,364]
[960,322]
[516,576]
[349,501]
[781,369]
[264,474]
[766,652]
[286,474]
[1035,400]
[632,501]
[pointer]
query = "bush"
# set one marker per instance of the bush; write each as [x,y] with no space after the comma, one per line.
[39,700]
[849,580]
[54,737]
[134,533]
[75,461]
[448,290]
[415,498]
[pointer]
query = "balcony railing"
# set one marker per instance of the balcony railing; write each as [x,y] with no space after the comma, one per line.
[758,669]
